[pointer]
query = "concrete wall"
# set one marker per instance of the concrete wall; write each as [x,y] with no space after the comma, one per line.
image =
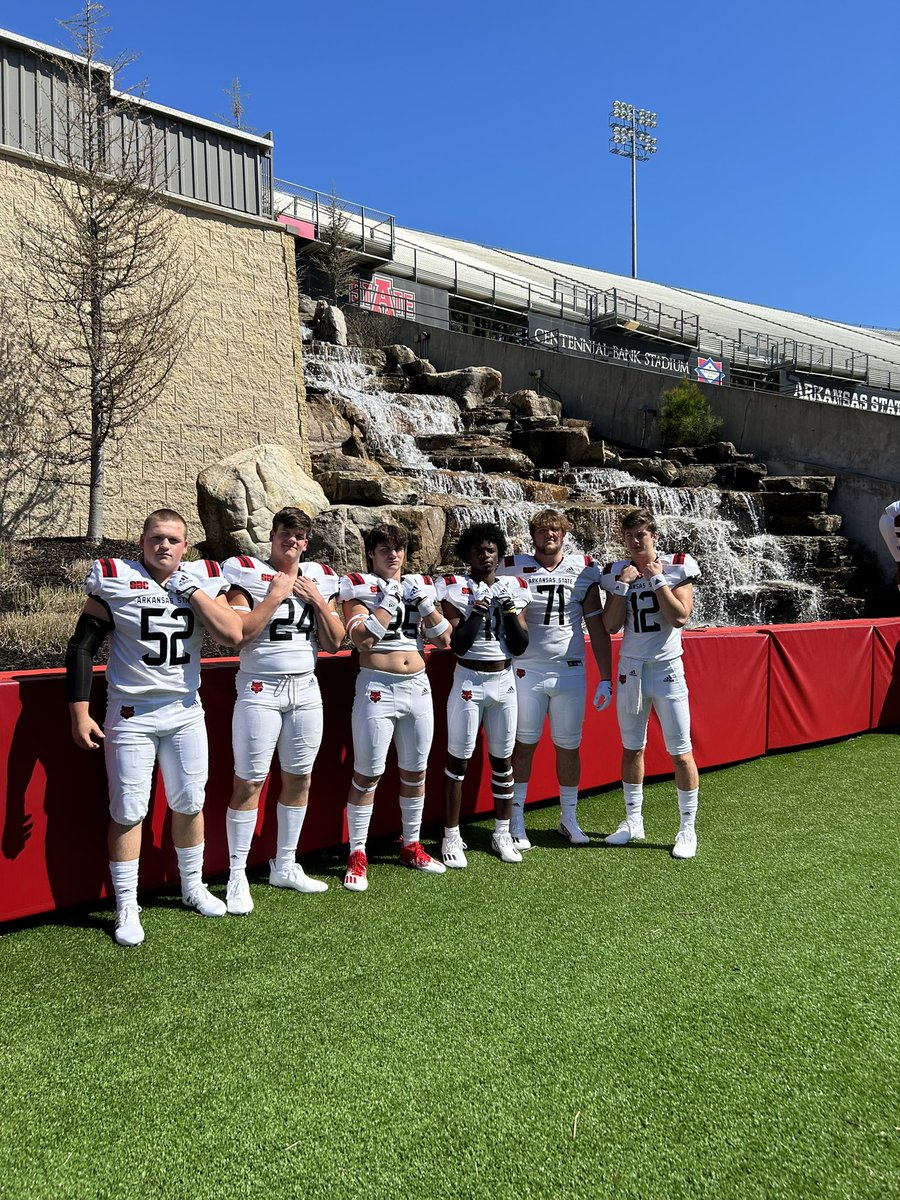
[240,381]
[792,436]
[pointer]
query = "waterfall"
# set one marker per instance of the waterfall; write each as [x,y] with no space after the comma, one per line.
[391,420]
[747,574]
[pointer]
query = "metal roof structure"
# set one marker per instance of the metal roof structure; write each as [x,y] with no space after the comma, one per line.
[758,341]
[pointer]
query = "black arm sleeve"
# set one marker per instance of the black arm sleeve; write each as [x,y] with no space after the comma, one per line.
[466,632]
[83,645]
[516,636]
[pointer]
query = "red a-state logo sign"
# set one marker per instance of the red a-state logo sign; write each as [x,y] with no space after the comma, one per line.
[381,296]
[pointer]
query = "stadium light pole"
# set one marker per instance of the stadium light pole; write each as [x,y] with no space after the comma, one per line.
[630,137]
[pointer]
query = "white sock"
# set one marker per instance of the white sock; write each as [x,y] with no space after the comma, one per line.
[124,881]
[501,826]
[517,824]
[240,825]
[411,809]
[190,867]
[568,804]
[451,831]
[634,800]
[359,817]
[687,806]
[290,825]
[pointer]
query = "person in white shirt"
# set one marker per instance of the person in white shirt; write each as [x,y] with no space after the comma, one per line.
[652,595]
[389,616]
[487,618]
[287,610]
[551,677]
[155,613]
[889,528]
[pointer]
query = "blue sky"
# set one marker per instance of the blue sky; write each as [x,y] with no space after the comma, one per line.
[776,179]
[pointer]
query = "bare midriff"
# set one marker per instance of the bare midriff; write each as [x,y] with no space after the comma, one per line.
[394,662]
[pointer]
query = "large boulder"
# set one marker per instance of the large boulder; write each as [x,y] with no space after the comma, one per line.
[527,403]
[397,357]
[337,536]
[238,497]
[469,386]
[329,324]
[326,426]
[553,447]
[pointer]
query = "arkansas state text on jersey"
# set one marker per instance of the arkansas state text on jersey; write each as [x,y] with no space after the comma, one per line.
[155,643]
[288,644]
[555,618]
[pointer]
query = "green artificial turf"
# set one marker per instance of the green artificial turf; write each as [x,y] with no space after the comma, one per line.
[592,1023]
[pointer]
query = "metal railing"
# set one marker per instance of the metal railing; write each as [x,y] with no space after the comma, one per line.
[369,229]
[569,299]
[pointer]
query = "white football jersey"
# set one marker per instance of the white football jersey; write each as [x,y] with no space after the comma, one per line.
[288,644]
[555,618]
[490,644]
[404,631]
[648,636]
[155,643]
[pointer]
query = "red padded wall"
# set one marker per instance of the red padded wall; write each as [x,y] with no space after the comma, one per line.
[751,690]
[820,682]
[886,674]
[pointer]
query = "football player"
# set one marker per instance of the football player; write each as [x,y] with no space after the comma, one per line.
[389,616]
[155,613]
[287,611]
[889,526]
[487,618]
[551,677]
[652,596]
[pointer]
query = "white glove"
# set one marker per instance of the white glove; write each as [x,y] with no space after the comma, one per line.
[502,592]
[481,593]
[181,586]
[603,694]
[391,587]
[415,596]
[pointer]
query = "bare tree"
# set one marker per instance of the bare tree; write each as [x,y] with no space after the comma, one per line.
[238,106]
[331,254]
[100,283]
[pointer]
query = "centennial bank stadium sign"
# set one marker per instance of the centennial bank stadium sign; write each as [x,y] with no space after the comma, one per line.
[574,339]
[832,391]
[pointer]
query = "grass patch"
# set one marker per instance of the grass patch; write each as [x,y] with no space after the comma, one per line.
[592,1023]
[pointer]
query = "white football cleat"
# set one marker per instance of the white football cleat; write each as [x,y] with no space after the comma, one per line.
[521,842]
[294,877]
[570,832]
[452,853]
[629,830]
[238,900]
[685,844]
[356,878]
[129,930]
[502,844]
[202,899]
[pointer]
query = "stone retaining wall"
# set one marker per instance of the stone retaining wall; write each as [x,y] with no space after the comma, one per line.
[240,382]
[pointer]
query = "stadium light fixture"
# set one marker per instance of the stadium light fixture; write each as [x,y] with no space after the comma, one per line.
[630,137]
